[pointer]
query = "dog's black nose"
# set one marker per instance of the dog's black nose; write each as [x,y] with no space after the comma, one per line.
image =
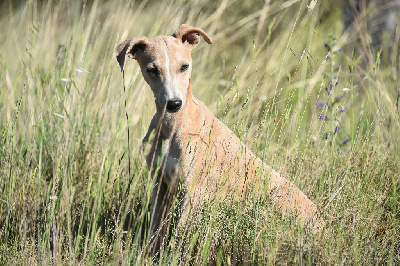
[174,105]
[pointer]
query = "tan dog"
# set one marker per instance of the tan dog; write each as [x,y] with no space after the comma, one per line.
[191,145]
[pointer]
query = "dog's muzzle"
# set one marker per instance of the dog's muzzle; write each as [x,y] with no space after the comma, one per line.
[174,105]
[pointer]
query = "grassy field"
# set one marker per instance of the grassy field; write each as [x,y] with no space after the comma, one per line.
[297,88]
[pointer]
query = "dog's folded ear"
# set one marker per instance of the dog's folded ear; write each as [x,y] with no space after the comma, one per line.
[190,35]
[130,47]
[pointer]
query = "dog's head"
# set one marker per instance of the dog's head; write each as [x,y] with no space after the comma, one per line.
[166,63]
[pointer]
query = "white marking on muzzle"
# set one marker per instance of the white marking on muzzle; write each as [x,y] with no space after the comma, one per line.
[171,92]
[167,74]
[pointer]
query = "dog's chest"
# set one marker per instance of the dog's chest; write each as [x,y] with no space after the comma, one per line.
[166,158]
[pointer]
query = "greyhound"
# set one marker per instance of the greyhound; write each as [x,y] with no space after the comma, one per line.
[186,144]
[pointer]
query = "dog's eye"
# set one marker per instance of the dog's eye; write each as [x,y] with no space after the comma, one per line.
[184,67]
[152,70]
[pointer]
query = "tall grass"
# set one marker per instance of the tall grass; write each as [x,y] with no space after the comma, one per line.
[73,192]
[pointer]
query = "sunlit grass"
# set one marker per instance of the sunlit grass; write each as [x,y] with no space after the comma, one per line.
[66,192]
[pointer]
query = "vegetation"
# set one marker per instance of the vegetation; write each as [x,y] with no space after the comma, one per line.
[284,75]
